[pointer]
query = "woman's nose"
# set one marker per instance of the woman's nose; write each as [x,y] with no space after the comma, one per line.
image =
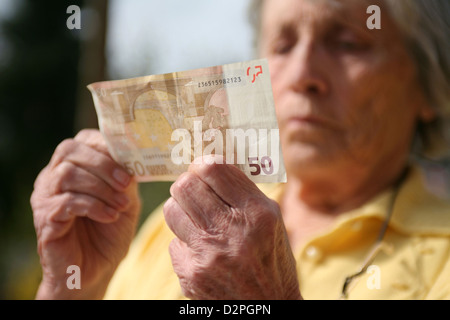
[306,70]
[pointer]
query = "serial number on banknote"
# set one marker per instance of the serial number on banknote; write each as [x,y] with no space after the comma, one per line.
[219,82]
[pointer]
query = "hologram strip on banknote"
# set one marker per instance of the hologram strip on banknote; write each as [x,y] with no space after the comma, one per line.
[155,126]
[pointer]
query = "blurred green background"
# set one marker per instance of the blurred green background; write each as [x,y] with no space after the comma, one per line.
[44,70]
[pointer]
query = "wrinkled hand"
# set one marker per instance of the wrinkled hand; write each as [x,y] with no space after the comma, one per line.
[85,209]
[231,242]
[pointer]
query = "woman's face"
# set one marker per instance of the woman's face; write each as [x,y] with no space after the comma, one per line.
[346,97]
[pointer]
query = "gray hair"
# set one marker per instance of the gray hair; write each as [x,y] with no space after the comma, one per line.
[425,26]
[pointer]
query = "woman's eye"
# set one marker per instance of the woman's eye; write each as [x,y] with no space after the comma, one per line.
[347,41]
[284,41]
[282,47]
[348,45]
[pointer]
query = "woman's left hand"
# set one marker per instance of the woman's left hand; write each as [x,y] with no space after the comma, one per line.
[231,241]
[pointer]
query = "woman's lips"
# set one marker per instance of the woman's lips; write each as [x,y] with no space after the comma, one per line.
[309,121]
[308,127]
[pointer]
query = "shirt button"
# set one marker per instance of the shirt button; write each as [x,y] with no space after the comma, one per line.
[312,252]
[357,226]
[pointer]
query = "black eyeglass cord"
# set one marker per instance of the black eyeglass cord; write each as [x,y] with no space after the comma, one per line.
[379,242]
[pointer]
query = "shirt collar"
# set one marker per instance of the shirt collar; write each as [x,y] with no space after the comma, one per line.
[416,211]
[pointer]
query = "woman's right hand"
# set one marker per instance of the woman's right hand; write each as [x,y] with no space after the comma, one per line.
[85,209]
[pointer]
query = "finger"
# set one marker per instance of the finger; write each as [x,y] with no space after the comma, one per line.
[179,221]
[199,201]
[70,205]
[68,177]
[97,163]
[94,139]
[227,181]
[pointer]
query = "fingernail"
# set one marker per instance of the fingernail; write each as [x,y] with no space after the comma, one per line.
[122,199]
[112,212]
[121,177]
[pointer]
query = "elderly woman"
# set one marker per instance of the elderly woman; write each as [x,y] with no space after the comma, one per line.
[354,219]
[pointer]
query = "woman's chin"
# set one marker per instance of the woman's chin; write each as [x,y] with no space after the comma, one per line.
[308,159]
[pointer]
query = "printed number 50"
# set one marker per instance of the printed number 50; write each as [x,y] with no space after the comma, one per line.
[266,165]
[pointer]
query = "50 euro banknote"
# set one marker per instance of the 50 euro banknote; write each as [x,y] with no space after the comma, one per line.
[156,126]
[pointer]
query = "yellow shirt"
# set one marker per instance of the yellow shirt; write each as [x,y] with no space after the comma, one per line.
[414,262]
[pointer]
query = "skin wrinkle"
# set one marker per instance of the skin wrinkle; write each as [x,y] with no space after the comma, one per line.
[71,221]
[184,187]
[255,273]
[228,250]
